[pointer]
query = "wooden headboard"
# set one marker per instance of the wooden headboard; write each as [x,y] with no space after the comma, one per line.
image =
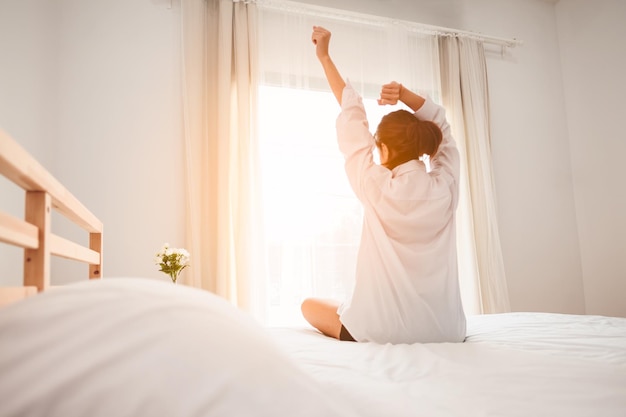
[43,194]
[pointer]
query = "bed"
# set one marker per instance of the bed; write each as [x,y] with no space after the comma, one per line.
[131,346]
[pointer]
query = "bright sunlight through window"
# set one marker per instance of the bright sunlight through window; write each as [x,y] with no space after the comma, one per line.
[312,218]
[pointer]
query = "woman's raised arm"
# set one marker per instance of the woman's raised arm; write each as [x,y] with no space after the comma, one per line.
[321,40]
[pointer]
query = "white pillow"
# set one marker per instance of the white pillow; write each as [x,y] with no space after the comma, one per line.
[139,347]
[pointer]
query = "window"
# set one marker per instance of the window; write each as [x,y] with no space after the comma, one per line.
[312,218]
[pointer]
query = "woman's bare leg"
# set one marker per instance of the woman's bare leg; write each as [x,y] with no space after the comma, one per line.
[322,314]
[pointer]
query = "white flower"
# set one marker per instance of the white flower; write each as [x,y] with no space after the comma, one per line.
[172,261]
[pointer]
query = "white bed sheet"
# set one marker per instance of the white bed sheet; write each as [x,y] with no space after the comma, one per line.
[134,347]
[518,364]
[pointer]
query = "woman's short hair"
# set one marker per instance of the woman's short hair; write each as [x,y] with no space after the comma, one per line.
[406,137]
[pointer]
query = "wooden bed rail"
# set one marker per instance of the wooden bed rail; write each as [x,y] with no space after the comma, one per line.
[43,194]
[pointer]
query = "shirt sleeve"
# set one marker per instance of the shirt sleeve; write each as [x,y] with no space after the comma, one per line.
[355,140]
[446,161]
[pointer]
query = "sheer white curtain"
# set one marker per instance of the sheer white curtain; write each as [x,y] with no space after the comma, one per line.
[465,95]
[317,255]
[219,107]
[313,221]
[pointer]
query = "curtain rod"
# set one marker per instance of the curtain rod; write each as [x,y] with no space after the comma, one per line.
[354,17]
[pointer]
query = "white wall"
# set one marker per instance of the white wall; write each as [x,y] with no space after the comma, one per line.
[107,86]
[107,91]
[591,37]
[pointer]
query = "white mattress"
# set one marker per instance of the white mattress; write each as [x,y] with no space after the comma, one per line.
[518,364]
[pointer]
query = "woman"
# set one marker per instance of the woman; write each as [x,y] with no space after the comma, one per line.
[406,288]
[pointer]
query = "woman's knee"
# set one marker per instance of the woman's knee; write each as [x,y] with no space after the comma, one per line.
[308,308]
[322,314]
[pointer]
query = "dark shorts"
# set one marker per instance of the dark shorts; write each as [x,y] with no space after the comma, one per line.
[345,335]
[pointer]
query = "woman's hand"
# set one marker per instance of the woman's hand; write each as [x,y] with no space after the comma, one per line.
[390,93]
[321,40]
[393,92]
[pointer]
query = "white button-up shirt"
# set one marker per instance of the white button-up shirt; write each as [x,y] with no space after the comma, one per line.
[406,287]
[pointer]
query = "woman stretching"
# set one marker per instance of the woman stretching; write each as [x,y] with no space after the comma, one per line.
[406,287]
